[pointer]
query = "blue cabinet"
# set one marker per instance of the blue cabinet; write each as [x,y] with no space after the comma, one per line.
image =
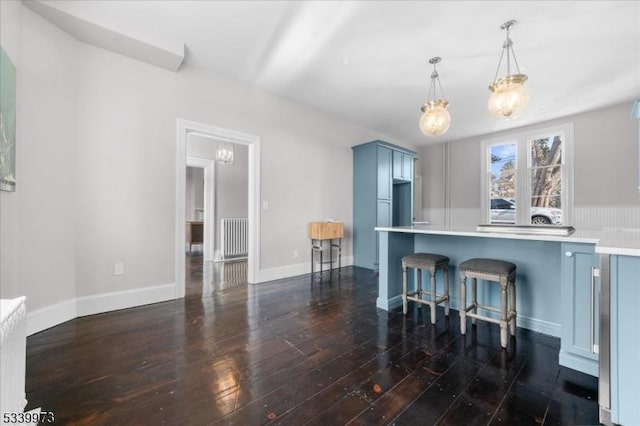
[382,195]
[385,187]
[579,295]
[625,340]
[402,167]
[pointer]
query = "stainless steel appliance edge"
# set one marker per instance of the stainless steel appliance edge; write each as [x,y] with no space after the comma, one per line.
[604,366]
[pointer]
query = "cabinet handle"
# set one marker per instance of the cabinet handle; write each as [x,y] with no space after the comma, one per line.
[568,253]
[593,308]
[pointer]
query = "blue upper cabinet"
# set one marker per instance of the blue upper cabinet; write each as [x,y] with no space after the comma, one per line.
[402,166]
[384,173]
[382,195]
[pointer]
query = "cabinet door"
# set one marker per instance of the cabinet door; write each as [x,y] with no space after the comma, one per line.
[383,213]
[383,218]
[579,295]
[407,167]
[625,350]
[384,173]
[398,165]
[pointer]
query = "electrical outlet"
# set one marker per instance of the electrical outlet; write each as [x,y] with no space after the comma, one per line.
[295,254]
[118,268]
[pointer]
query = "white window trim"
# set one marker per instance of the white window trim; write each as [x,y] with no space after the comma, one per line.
[523,178]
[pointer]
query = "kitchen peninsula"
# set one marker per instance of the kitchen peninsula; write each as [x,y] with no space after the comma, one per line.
[559,280]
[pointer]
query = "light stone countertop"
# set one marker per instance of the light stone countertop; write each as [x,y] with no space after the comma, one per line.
[610,241]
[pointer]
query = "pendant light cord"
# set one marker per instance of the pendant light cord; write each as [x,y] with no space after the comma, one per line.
[508,46]
[432,86]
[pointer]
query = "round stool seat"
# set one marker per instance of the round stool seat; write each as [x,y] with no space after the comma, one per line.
[487,266]
[424,260]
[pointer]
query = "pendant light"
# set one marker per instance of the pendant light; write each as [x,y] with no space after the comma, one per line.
[224,154]
[508,96]
[435,119]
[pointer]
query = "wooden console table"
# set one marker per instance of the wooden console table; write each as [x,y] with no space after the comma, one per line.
[194,233]
[326,236]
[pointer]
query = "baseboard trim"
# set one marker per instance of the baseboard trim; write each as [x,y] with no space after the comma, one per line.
[50,316]
[388,304]
[575,362]
[533,324]
[540,326]
[294,270]
[106,302]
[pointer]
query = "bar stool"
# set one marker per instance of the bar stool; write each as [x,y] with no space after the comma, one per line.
[430,262]
[492,270]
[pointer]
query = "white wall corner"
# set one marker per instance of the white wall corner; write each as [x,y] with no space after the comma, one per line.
[159,53]
[49,316]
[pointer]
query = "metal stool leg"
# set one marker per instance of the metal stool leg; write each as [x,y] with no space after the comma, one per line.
[339,256]
[419,286]
[503,312]
[446,289]
[512,305]
[474,299]
[463,303]
[312,260]
[321,259]
[432,273]
[404,289]
[330,259]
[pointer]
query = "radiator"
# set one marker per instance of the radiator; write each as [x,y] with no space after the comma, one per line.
[13,344]
[233,237]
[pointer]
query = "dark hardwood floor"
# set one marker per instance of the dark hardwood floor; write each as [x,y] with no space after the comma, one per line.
[292,353]
[205,278]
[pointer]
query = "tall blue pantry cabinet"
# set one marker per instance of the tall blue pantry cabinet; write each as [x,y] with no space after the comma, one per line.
[382,195]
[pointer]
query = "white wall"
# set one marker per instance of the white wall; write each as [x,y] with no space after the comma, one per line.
[605,172]
[38,220]
[129,111]
[96,171]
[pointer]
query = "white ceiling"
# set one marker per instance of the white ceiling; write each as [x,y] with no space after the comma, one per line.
[579,55]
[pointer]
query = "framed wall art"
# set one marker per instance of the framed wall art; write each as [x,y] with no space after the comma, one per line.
[7,123]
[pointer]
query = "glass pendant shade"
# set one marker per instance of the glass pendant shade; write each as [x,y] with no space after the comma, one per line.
[435,119]
[509,98]
[224,154]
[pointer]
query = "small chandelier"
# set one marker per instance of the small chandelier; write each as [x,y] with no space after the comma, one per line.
[508,97]
[435,119]
[224,154]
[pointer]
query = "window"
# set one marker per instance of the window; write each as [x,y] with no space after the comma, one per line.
[502,193]
[528,178]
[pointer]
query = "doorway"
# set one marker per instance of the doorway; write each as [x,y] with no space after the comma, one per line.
[216,211]
[216,134]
